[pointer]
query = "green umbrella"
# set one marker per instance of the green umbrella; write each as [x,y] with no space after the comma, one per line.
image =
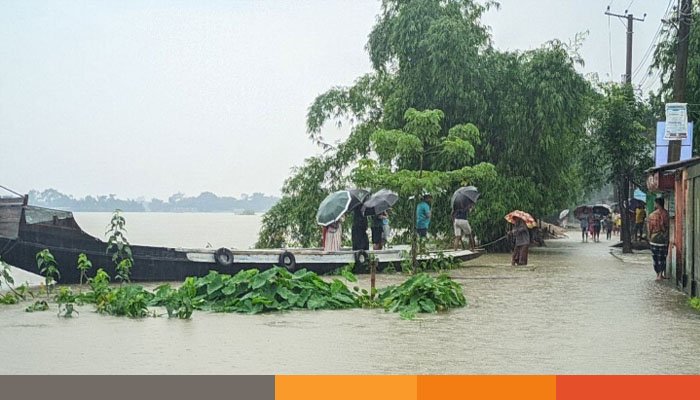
[333,207]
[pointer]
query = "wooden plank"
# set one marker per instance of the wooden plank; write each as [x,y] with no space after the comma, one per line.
[9,220]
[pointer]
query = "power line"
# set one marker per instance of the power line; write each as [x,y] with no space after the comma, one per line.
[653,43]
[610,47]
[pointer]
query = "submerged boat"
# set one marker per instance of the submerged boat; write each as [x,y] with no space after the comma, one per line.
[26,230]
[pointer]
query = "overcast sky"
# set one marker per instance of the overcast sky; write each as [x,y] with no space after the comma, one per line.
[148,98]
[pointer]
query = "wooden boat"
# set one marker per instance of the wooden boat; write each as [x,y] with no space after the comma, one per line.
[25,230]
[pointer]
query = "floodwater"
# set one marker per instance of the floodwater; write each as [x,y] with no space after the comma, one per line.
[576,309]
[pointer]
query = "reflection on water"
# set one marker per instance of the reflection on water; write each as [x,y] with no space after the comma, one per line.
[577,309]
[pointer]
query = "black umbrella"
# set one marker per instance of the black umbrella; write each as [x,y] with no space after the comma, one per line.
[379,202]
[583,211]
[357,197]
[464,197]
[635,203]
[602,209]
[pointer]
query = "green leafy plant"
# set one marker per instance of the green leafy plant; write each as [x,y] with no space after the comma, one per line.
[694,302]
[65,300]
[119,248]
[39,305]
[178,303]
[6,279]
[438,263]
[275,289]
[84,265]
[99,288]
[422,293]
[66,310]
[65,295]
[48,268]
[9,298]
[128,300]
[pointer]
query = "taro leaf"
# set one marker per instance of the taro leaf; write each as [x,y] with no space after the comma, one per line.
[343,299]
[304,297]
[315,302]
[229,289]
[258,281]
[285,293]
[337,286]
[427,305]
[215,284]
[409,312]
[348,275]
[293,300]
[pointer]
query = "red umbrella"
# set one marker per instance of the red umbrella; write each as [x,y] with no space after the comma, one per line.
[527,218]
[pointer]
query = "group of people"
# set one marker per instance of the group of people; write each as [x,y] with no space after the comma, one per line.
[656,227]
[593,224]
[460,222]
[381,229]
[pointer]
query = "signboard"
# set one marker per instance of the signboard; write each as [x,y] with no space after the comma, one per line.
[661,156]
[660,182]
[676,121]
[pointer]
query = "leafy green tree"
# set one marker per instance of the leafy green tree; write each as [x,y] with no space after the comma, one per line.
[396,148]
[664,64]
[531,109]
[621,136]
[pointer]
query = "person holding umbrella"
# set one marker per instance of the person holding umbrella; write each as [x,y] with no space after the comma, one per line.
[330,216]
[360,241]
[463,200]
[378,206]
[522,221]
[333,235]
[378,230]
[461,226]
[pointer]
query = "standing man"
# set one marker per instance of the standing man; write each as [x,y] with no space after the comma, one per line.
[378,230]
[608,227]
[639,216]
[584,228]
[460,223]
[423,214]
[658,233]
[360,241]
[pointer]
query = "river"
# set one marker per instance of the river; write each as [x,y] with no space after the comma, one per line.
[576,309]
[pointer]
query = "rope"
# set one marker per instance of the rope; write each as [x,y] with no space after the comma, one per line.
[11,191]
[495,241]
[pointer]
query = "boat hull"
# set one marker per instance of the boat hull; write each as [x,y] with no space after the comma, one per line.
[66,240]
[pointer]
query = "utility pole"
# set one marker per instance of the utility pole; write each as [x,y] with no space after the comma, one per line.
[681,73]
[624,182]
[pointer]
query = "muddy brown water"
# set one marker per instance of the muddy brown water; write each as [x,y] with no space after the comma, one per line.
[576,309]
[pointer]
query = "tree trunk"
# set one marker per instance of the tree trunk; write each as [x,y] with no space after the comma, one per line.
[626,228]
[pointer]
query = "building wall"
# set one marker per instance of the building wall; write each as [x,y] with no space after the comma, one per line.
[692,229]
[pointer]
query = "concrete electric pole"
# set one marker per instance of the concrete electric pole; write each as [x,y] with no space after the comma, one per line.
[681,73]
[624,184]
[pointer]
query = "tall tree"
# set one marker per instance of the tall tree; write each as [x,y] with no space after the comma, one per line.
[664,65]
[619,134]
[530,107]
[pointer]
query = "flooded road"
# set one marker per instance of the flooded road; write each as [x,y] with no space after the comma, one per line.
[576,309]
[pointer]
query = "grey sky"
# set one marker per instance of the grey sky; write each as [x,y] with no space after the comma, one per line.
[147,98]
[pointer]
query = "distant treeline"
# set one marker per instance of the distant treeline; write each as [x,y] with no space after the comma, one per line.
[205,202]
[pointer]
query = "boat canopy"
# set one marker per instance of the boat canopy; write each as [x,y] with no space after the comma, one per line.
[37,215]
